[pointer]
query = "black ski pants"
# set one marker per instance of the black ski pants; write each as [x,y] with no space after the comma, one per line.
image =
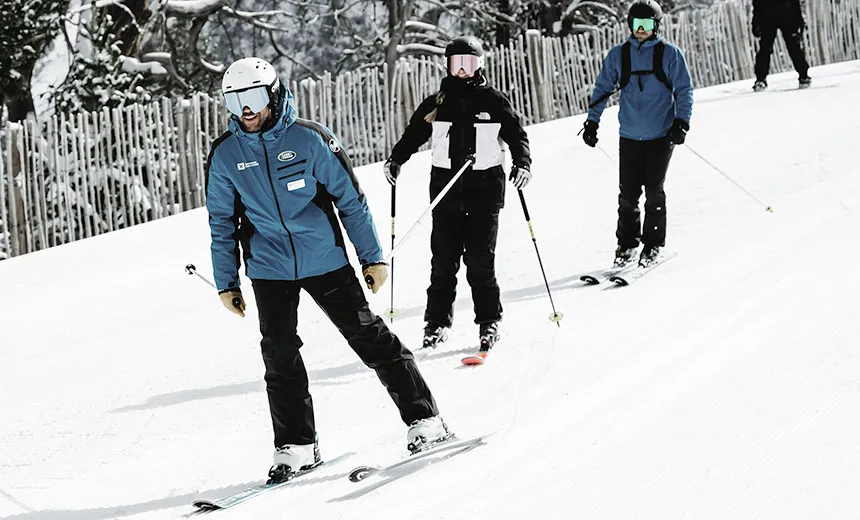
[642,164]
[341,297]
[470,235]
[793,38]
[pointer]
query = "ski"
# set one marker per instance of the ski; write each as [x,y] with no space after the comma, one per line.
[448,447]
[475,359]
[247,494]
[628,277]
[207,505]
[597,277]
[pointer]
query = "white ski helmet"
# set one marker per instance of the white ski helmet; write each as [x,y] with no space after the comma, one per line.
[252,83]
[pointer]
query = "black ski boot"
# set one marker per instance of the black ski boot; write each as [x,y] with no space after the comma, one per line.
[434,335]
[489,335]
[623,256]
[650,256]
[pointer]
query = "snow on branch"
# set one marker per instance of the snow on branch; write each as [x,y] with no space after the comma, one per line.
[596,5]
[421,26]
[410,48]
[252,18]
[135,66]
[193,7]
[217,68]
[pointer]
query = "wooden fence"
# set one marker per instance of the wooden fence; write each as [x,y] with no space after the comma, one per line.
[82,174]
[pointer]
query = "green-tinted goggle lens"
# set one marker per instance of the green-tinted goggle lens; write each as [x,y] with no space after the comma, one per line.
[647,24]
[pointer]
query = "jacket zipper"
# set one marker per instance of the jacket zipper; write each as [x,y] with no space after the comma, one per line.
[278,206]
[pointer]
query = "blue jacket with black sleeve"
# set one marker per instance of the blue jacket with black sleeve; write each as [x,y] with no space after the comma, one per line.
[275,192]
[647,107]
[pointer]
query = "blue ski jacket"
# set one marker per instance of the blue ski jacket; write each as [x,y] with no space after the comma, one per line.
[275,192]
[647,107]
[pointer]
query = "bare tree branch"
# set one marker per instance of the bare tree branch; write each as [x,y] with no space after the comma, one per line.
[283,54]
[252,19]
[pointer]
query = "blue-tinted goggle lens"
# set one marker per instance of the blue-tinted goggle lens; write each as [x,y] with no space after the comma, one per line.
[254,98]
[647,24]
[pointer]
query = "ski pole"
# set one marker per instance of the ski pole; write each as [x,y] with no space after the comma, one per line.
[555,316]
[721,172]
[607,154]
[190,269]
[391,312]
[469,162]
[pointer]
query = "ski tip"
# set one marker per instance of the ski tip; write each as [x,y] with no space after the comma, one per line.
[476,359]
[590,280]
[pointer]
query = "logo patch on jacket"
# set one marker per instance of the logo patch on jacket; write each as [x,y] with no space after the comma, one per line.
[333,145]
[245,165]
[286,156]
[483,116]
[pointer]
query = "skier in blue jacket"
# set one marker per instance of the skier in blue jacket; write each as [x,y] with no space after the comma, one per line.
[654,114]
[273,183]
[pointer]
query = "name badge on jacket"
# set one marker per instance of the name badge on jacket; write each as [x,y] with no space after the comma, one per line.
[295,185]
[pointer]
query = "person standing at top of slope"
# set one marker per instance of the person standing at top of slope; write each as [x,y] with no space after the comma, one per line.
[654,115]
[467,118]
[273,182]
[787,17]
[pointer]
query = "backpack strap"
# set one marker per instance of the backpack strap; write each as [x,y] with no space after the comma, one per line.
[625,75]
[625,65]
[656,69]
[658,65]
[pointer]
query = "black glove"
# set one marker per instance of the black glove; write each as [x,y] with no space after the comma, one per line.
[589,132]
[799,27]
[756,29]
[392,170]
[678,132]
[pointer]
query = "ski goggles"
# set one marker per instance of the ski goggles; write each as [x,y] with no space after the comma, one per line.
[647,24]
[468,62]
[255,98]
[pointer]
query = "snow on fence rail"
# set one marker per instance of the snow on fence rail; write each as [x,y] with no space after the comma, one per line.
[83,174]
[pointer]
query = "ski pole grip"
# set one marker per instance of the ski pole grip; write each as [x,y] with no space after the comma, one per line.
[237,302]
[368,279]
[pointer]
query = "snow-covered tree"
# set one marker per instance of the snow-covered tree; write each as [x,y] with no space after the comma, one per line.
[102,74]
[26,28]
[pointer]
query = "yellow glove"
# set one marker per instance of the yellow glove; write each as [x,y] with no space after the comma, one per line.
[233,301]
[375,275]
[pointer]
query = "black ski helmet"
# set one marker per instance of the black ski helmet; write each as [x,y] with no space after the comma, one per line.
[464,45]
[644,9]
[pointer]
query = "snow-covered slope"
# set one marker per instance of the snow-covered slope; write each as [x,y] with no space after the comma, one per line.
[725,384]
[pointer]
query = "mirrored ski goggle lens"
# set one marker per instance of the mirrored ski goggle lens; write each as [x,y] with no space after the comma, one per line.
[647,24]
[468,62]
[254,98]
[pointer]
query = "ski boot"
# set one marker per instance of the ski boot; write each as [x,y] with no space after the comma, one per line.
[760,85]
[489,335]
[301,456]
[650,256]
[804,82]
[623,256]
[423,434]
[434,335]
